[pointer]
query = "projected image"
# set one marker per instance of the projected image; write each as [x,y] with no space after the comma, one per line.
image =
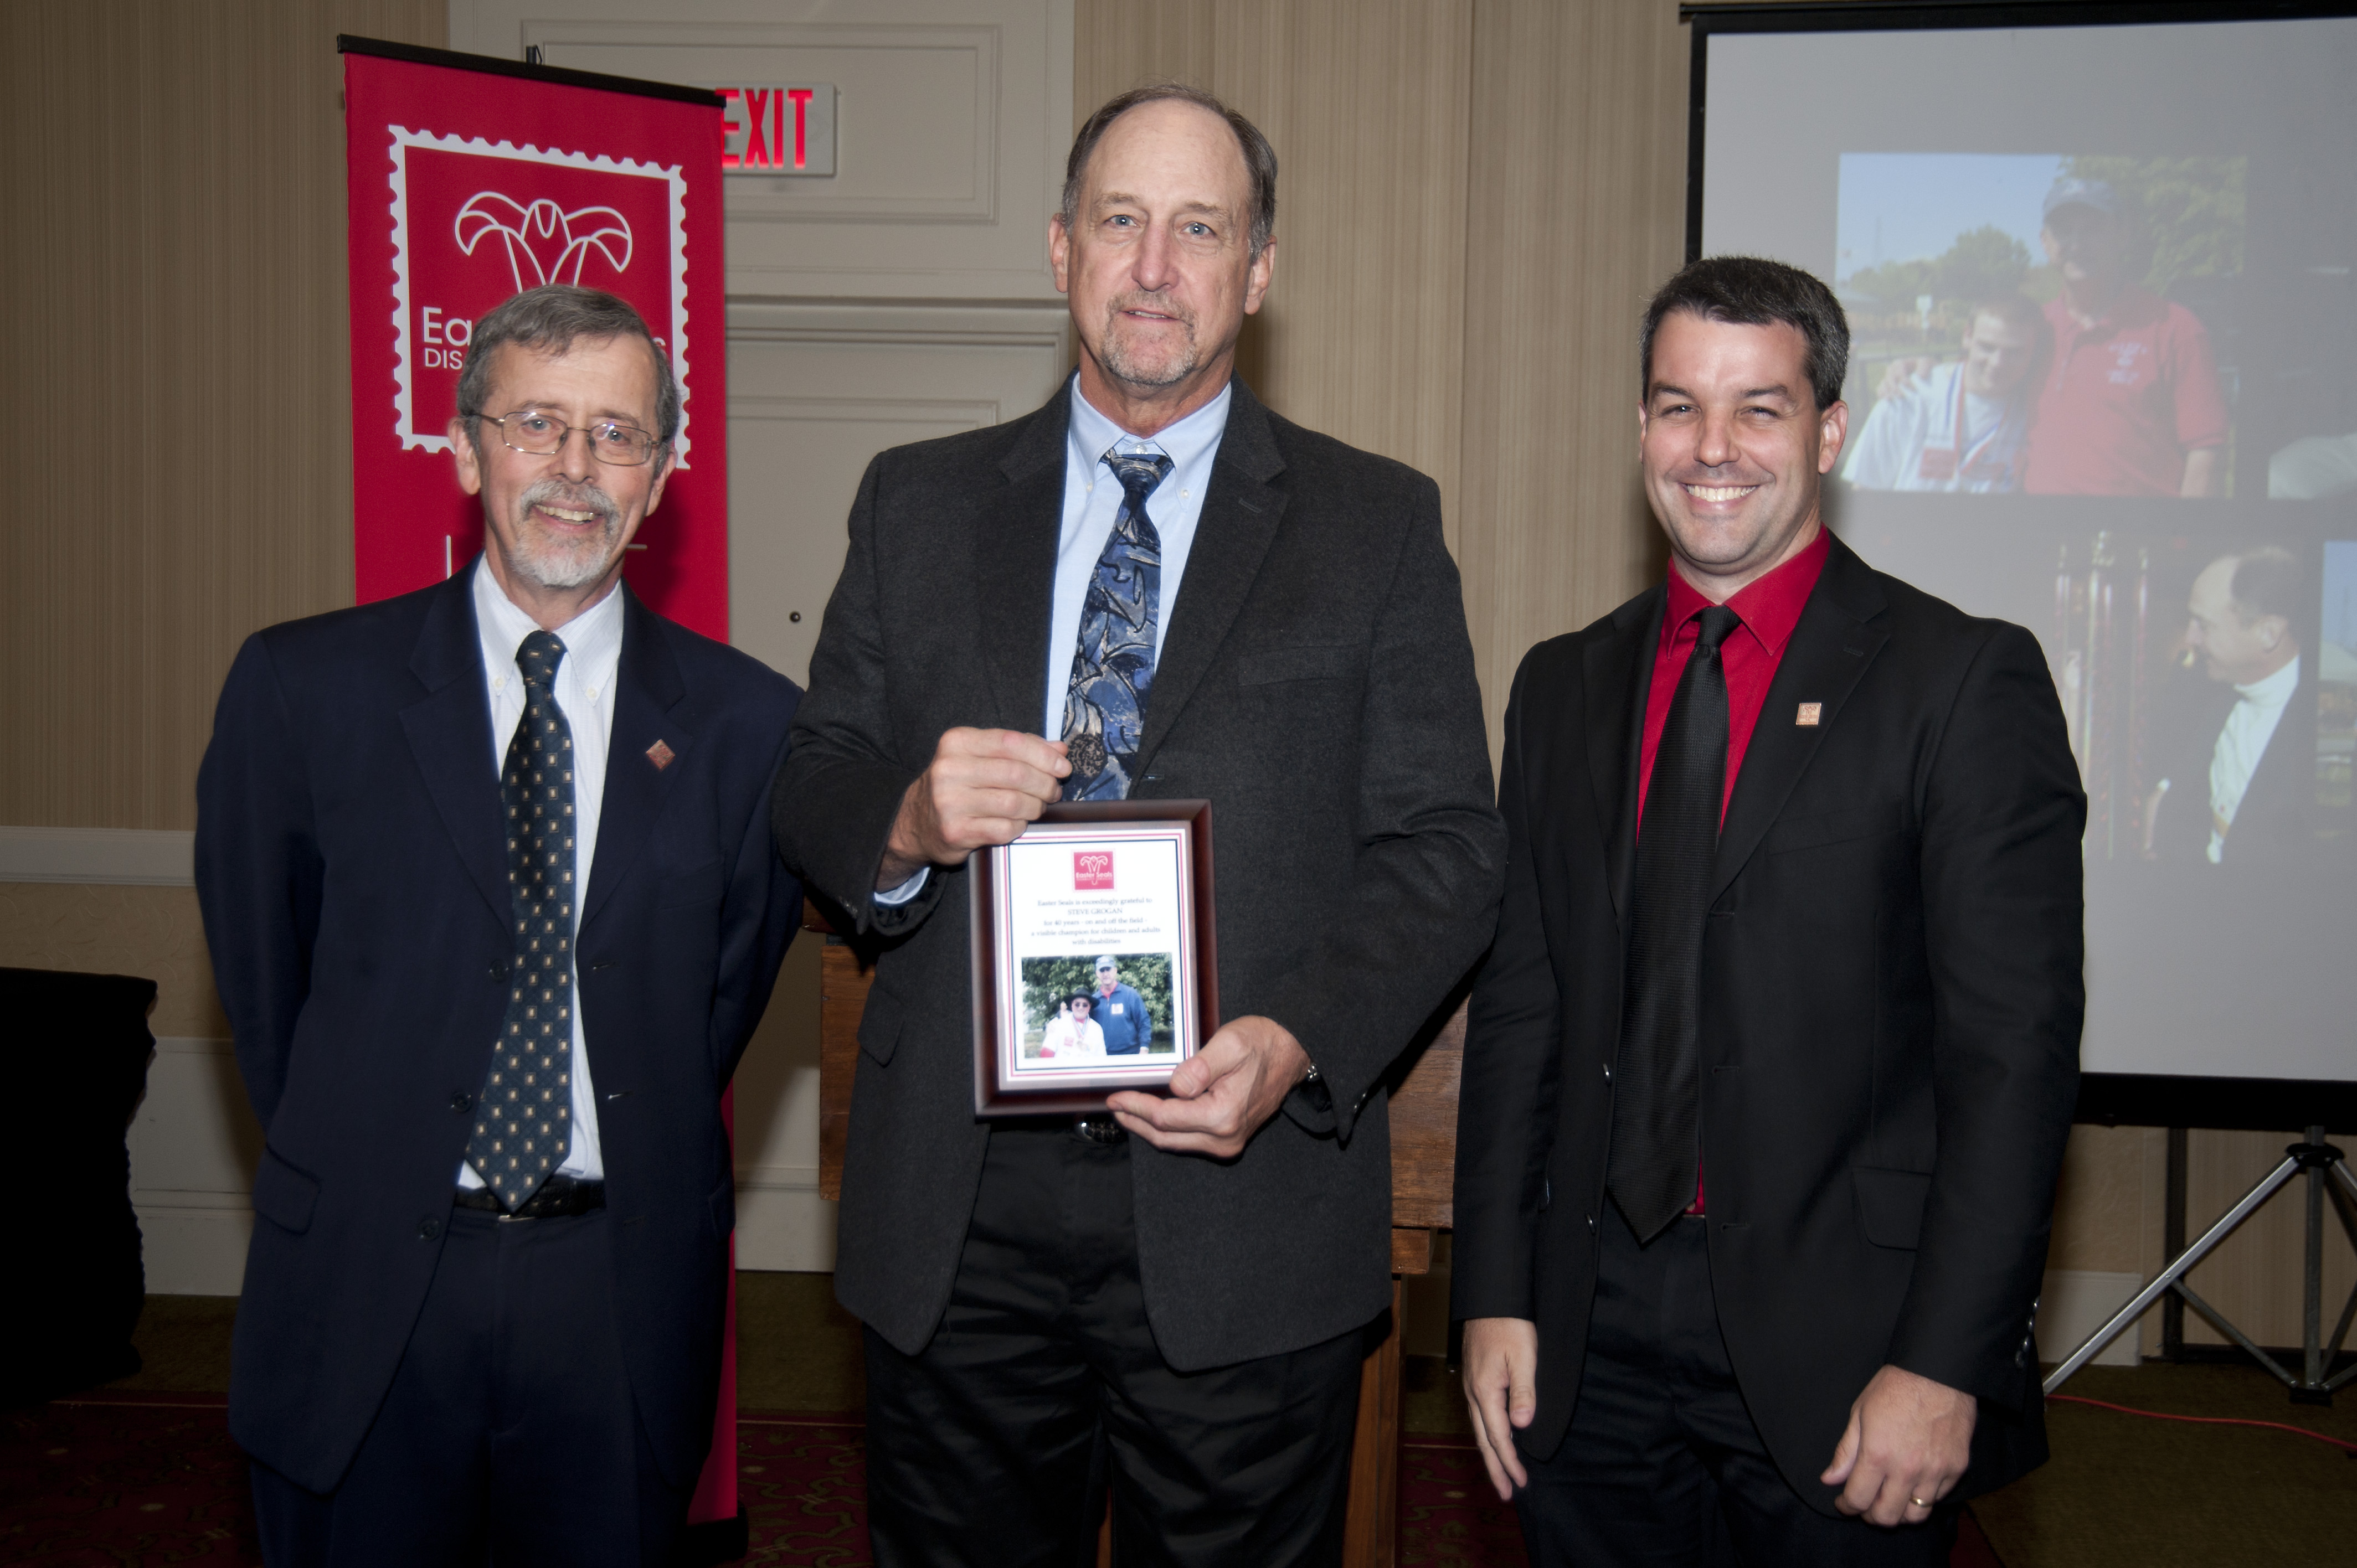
[2336,674]
[2199,699]
[2046,324]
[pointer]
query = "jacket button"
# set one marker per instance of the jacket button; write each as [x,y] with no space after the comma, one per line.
[462,1102]
[1592,1222]
[428,1228]
[499,972]
[1608,1072]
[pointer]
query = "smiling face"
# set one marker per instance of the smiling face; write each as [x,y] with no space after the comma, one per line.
[1997,355]
[1734,447]
[557,525]
[1158,260]
[1106,979]
[1081,1007]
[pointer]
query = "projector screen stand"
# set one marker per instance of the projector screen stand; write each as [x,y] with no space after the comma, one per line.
[2322,1163]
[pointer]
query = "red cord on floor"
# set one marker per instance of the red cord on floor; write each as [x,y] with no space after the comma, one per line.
[2202,1420]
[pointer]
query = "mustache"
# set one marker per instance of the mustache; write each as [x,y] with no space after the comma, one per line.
[1138,299]
[565,496]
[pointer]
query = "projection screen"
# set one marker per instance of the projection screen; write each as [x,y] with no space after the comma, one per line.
[2101,281]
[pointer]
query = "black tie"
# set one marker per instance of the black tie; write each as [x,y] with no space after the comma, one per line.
[1656,1108]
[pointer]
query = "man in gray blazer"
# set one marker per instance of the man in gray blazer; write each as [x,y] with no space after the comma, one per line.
[1172,1297]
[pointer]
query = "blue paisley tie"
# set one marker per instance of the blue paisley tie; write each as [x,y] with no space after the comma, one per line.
[1113,669]
[523,1117]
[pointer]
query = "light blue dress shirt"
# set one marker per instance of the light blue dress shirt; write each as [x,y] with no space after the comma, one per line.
[1092,498]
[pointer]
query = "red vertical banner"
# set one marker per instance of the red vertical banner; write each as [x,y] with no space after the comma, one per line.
[471,179]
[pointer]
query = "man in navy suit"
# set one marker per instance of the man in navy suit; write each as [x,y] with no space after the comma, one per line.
[487,878]
[1121,1012]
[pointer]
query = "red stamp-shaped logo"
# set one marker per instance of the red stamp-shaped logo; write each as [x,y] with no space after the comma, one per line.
[1091,870]
[474,224]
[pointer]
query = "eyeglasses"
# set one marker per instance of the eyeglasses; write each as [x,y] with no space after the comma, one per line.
[538,434]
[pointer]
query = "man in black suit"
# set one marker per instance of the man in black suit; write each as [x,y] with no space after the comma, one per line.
[483,1302]
[1767,1074]
[2238,785]
[1153,587]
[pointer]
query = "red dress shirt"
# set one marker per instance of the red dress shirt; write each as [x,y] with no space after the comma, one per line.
[1769,608]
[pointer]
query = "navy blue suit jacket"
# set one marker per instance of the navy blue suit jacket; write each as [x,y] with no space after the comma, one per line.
[353,879]
[1127,1032]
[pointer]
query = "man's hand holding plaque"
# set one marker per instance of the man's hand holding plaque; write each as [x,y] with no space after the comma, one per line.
[1221,1096]
[983,787]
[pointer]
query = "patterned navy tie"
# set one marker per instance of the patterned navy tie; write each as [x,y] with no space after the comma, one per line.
[523,1119]
[1113,669]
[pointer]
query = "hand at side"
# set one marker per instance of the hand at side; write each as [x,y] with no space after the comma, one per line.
[1907,1441]
[1502,1366]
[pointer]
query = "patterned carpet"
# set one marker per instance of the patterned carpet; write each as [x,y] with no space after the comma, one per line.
[128,1480]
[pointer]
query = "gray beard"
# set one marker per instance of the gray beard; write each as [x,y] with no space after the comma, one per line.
[540,560]
[1120,364]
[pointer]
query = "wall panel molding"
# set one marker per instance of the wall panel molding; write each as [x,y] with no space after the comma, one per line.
[150,857]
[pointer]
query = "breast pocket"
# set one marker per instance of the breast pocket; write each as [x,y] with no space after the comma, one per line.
[1321,662]
[1819,830]
[691,889]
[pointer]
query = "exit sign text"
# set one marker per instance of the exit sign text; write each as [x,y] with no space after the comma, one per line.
[785,129]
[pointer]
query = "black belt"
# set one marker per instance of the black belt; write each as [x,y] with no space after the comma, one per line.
[559,1197]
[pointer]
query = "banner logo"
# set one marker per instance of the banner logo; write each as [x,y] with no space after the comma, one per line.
[476,223]
[1092,870]
[544,242]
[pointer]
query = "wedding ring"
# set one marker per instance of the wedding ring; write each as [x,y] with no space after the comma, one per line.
[1919,1502]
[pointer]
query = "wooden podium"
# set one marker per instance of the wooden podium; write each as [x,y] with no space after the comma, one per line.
[1424,1161]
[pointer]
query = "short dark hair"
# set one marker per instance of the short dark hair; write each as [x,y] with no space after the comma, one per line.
[552,318]
[2015,309]
[2266,583]
[1260,159]
[1752,291]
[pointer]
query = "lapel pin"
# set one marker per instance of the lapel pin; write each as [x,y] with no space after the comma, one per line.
[661,755]
[1809,715]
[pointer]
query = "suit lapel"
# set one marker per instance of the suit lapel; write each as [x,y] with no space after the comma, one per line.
[1240,518]
[1830,650]
[1619,676]
[449,734]
[1015,565]
[650,706]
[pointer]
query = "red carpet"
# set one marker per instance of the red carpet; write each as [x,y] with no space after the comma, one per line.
[133,1481]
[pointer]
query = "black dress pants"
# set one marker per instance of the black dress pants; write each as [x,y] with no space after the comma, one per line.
[1662,1466]
[995,1444]
[509,1436]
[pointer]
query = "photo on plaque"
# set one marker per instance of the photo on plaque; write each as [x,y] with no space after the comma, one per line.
[1092,952]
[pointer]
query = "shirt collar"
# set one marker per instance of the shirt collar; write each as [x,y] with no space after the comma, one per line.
[593,640]
[2274,690]
[1770,608]
[1185,442]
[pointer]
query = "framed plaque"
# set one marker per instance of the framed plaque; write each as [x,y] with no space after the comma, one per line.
[1095,966]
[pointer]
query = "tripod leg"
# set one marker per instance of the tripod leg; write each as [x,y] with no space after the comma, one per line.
[2169,1277]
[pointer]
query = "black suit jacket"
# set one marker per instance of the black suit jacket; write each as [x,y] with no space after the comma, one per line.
[1317,686]
[1891,998]
[2271,826]
[353,876]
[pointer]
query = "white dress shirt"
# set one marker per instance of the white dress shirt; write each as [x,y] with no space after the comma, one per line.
[1092,501]
[584,693]
[2241,741]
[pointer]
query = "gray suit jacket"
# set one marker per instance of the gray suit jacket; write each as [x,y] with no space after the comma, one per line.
[1317,686]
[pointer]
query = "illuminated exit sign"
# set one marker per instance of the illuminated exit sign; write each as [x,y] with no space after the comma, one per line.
[787,129]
